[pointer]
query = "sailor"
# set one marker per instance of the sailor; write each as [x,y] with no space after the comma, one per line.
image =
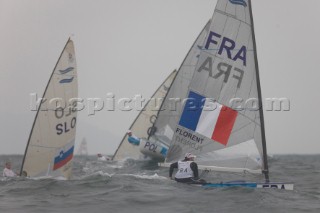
[7,171]
[134,140]
[102,158]
[187,170]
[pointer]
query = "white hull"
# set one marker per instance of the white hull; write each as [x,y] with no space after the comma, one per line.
[152,150]
[270,185]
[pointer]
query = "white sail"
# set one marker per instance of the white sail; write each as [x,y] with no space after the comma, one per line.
[49,150]
[83,148]
[169,113]
[142,125]
[157,126]
[218,116]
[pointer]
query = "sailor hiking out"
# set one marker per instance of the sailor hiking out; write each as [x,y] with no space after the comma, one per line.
[7,171]
[134,140]
[187,170]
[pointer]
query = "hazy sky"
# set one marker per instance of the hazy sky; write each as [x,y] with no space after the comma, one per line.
[129,47]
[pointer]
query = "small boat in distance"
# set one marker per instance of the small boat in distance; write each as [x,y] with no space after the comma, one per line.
[83,148]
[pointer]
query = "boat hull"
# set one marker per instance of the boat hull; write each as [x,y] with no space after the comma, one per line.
[270,185]
[152,150]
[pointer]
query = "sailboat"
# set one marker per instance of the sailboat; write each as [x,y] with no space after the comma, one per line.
[221,120]
[50,146]
[142,127]
[83,148]
[154,125]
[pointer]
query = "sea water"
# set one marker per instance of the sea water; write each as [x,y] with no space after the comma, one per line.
[141,186]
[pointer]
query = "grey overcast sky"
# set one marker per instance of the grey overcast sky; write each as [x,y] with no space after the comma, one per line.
[129,47]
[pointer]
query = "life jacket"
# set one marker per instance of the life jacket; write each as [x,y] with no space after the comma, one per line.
[184,170]
[8,173]
[134,140]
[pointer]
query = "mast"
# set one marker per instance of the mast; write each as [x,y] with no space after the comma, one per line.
[35,119]
[263,135]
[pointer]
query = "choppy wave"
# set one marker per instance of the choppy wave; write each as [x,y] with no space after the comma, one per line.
[144,176]
[141,186]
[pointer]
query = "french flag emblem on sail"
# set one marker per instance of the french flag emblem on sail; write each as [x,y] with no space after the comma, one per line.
[63,158]
[216,124]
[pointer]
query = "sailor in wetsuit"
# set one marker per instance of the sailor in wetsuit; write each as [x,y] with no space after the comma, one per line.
[187,170]
[7,171]
[134,140]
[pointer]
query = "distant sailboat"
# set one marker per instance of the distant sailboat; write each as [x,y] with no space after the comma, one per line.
[83,148]
[142,127]
[213,124]
[50,147]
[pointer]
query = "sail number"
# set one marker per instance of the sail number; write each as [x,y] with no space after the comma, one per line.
[152,147]
[226,46]
[65,126]
[274,186]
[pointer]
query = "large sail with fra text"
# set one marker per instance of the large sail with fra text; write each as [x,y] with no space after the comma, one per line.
[221,121]
[50,147]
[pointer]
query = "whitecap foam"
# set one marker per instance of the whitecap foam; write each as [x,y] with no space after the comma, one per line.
[48,177]
[145,176]
[97,173]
